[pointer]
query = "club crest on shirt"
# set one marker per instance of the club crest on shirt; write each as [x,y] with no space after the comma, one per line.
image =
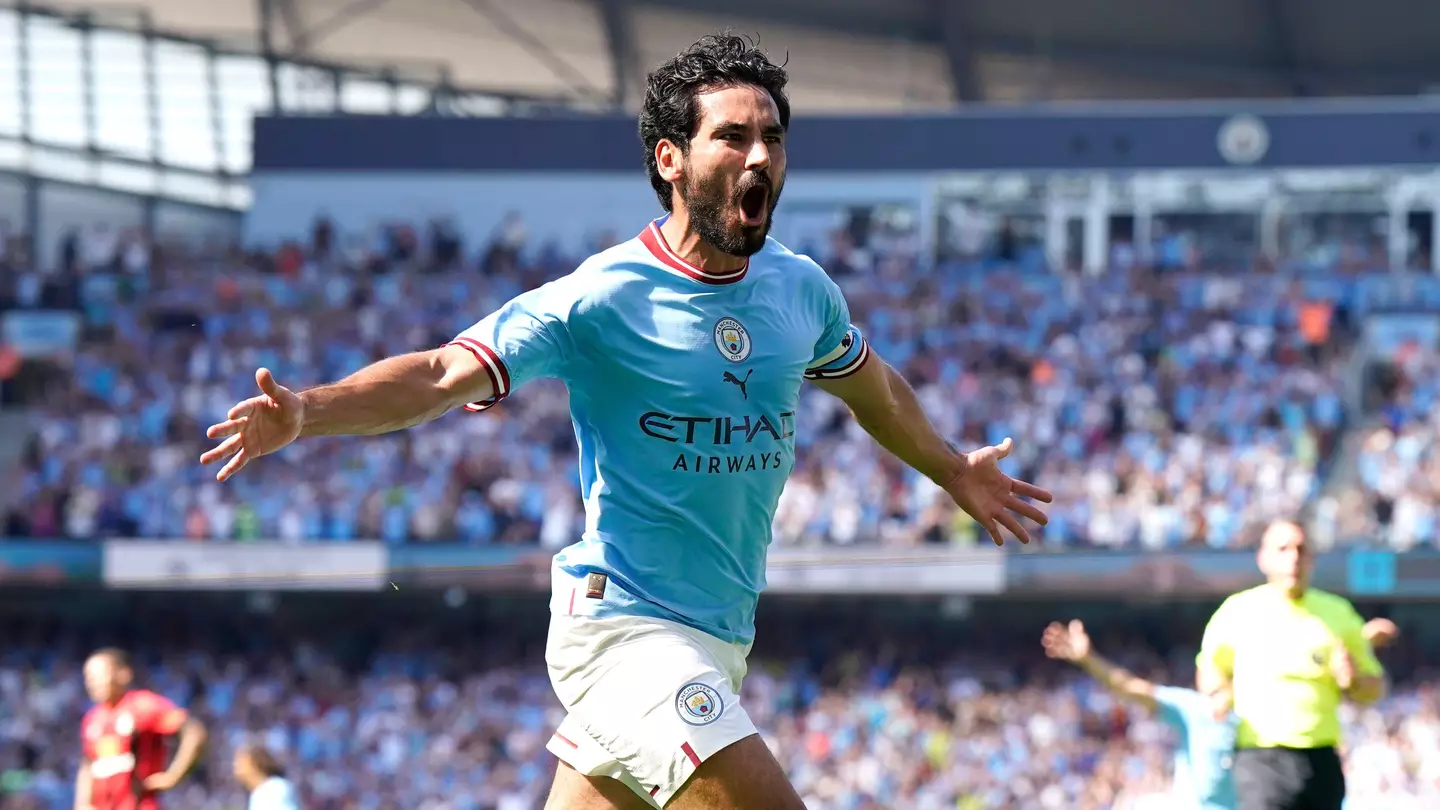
[124,724]
[698,704]
[732,340]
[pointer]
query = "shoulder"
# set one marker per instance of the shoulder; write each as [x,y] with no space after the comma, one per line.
[1331,606]
[605,278]
[1177,698]
[796,267]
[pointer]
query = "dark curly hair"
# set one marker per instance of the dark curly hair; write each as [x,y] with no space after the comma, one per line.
[670,111]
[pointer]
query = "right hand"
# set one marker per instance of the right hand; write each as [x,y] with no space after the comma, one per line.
[1066,642]
[256,427]
[1342,667]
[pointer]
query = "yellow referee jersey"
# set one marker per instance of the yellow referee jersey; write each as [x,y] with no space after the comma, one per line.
[1277,651]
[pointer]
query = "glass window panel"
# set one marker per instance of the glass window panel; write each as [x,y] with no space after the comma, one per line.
[122,114]
[186,135]
[305,89]
[411,99]
[10,117]
[57,94]
[244,93]
[365,96]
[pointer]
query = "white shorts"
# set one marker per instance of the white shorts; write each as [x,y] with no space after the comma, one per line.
[648,699]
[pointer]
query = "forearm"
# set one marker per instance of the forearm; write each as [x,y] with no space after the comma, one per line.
[82,787]
[393,394]
[1116,678]
[898,423]
[187,753]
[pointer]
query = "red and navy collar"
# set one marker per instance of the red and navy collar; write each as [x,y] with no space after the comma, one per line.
[655,242]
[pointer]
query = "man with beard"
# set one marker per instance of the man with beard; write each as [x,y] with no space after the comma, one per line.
[684,350]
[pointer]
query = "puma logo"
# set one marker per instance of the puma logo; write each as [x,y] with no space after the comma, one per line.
[731,378]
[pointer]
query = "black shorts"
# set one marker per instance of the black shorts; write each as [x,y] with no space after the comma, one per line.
[1289,779]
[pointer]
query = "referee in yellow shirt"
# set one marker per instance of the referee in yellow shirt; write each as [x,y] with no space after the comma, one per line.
[1289,653]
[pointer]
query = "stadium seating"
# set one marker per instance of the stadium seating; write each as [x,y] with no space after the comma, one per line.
[1167,407]
[430,721]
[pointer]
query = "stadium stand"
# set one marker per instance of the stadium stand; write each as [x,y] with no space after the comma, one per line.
[1128,385]
[892,712]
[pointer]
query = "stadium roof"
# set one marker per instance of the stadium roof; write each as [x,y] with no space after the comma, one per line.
[854,55]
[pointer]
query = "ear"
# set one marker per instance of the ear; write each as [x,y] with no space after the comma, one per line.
[669,160]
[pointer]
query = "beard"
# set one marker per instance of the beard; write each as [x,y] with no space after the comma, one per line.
[715,214]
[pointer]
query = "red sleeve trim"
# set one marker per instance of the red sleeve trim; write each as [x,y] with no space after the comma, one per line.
[494,367]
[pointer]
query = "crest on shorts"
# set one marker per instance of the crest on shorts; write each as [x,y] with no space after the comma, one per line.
[698,704]
[732,340]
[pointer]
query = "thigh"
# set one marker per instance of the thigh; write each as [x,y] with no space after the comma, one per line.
[1325,787]
[743,776]
[573,790]
[1268,779]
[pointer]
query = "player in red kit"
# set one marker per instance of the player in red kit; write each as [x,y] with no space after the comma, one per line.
[124,740]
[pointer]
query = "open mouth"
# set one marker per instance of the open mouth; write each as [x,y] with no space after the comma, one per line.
[753,203]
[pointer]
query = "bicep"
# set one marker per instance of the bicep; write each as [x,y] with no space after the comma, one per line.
[526,339]
[863,387]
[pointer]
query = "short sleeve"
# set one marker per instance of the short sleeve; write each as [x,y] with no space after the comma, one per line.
[524,340]
[842,349]
[1217,647]
[1176,706]
[158,715]
[1352,634]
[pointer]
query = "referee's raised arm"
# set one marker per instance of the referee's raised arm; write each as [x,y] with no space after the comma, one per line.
[1290,654]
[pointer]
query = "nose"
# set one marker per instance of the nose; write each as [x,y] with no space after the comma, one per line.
[758,159]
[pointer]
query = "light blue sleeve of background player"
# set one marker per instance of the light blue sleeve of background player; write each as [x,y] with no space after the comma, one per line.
[841,349]
[1177,707]
[274,794]
[524,340]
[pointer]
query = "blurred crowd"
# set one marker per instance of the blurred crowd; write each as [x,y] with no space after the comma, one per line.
[439,724]
[1164,404]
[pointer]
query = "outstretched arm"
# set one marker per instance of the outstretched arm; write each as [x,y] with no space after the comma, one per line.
[886,406]
[396,393]
[1071,643]
[393,394]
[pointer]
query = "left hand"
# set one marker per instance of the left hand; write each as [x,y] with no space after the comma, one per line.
[1380,632]
[160,782]
[991,496]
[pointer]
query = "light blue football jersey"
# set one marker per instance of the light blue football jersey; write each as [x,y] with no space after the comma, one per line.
[1205,753]
[683,391]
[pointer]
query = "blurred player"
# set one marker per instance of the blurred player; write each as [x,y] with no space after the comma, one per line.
[684,350]
[1290,654]
[258,771]
[1206,724]
[124,740]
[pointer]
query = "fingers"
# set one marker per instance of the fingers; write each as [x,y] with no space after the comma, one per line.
[1028,490]
[266,381]
[994,531]
[1004,447]
[236,465]
[224,450]
[1008,521]
[1031,511]
[244,408]
[227,428]
[1077,627]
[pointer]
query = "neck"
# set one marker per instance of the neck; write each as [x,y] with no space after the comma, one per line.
[1292,592]
[255,780]
[688,245]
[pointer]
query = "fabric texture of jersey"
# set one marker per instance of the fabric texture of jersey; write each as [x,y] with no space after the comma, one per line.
[275,793]
[1277,653]
[1205,753]
[124,744]
[683,392]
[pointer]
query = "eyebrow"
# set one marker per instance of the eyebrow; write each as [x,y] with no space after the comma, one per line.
[733,126]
